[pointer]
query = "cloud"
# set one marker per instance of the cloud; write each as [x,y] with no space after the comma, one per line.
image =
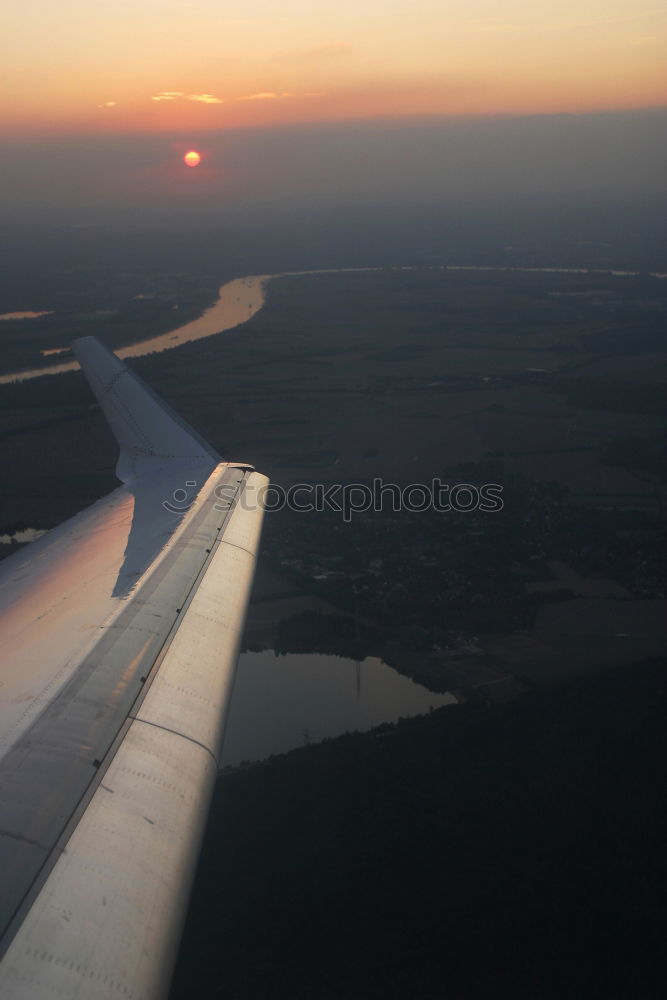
[204,98]
[178,95]
[266,95]
[167,95]
[107,104]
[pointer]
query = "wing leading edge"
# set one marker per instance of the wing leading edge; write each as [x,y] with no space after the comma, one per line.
[123,628]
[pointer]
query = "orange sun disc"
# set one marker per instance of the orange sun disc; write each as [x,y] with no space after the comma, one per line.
[192,159]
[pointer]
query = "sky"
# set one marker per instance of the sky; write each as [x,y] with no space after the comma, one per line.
[299,108]
[167,65]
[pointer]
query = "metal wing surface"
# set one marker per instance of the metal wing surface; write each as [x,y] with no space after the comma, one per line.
[120,636]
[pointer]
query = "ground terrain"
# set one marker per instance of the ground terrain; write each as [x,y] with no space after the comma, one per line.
[505,847]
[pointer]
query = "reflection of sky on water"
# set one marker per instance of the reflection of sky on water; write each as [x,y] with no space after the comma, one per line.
[283,702]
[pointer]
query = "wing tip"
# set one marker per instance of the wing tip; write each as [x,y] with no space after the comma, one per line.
[145,426]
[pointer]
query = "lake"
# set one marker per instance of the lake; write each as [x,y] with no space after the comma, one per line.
[283,702]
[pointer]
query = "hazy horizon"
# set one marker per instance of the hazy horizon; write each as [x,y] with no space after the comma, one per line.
[335,133]
[91,179]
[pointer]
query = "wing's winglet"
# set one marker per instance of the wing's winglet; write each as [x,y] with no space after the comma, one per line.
[148,431]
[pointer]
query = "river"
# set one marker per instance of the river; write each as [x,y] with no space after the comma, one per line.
[237,301]
[240,299]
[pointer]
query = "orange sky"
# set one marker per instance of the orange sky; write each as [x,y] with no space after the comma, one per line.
[155,65]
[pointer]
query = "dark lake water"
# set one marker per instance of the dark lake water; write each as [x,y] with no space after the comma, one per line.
[280,703]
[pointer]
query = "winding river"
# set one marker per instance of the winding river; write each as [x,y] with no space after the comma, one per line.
[240,299]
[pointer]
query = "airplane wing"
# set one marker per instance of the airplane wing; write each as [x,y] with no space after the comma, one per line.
[120,635]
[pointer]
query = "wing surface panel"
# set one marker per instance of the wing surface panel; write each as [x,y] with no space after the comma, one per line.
[136,844]
[46,772]
[122,630]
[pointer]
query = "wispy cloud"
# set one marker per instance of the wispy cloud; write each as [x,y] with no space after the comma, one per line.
[204,98]
[167,95]
[178,95]
[107,104]
[266,95]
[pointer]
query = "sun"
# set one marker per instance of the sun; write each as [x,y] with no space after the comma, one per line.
[192,159]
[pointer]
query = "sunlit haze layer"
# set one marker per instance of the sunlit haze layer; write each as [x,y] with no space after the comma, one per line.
[300,113]
[206,64]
